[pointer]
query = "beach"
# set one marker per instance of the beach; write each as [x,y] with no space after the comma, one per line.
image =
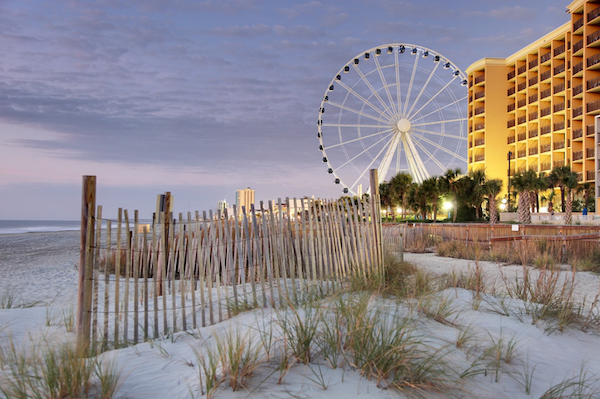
[39,272]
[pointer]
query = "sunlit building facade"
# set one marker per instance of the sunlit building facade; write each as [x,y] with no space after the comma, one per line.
[536,109]
[244,198]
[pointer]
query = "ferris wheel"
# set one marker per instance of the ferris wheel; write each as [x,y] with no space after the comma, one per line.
[396,107]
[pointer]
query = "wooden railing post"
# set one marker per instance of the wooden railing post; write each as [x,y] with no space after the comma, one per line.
[84,292]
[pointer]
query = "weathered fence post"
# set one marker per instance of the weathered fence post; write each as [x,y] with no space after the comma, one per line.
[84,292]
[376,214]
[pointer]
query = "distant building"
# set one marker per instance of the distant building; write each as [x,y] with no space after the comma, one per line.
[222,206]
[244,198]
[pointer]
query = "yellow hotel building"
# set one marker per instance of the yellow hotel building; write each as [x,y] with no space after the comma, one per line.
[540,103]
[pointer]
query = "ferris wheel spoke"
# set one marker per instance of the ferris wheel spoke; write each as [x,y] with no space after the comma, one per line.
[398,156]
[410,85]
[357,125]
[341,106]
[442,121]
[372,162]
[363,151]
[384,82]
[358,139]
[440,108]
[423,88]
[370,86]
[439,147]
[398,91]
[433,97]
[430,155]
[414,160]
[441,134]
[364,100]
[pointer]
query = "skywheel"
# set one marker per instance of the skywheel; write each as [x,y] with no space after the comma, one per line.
[396,107]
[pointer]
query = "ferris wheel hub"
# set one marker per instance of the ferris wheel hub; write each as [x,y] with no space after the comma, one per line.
[403,125]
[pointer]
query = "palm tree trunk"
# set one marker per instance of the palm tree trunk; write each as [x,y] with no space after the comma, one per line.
[493,213]
[524,215]
[569,208]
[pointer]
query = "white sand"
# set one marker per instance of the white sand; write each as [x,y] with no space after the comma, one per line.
[41,268]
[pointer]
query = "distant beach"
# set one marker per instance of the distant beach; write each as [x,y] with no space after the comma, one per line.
[36,226]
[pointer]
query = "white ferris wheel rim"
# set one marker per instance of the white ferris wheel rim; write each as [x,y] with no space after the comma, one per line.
[406,132]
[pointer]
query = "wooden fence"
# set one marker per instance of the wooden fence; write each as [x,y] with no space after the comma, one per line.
[147,278]
[572,238]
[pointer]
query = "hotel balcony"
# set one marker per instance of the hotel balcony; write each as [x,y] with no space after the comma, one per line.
[533,133]
[593,84]
[578,24]
[545,147]
[510,139]
[545,130]
[593,39]
[479,157]
[578,46]
[589,130]
[546,57]
[545,111]
[560,162]
[577,90]
[521,153]
[577,133]
[510,124]
[593,107]
[592,15]
[558,126]
[545,93]
[559,50]
[577,155]
[522,136]
[590,152]
[593,61]
[558,88]
[559,69]
[546,166]
[577,69]
[559,107]
[559,145]
[590,175]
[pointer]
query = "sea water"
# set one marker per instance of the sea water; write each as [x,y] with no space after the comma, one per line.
[37,226]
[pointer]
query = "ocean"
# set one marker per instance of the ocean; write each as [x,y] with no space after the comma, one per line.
[37,226]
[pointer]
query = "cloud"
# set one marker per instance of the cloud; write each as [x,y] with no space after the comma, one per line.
[510,13]
[242,31]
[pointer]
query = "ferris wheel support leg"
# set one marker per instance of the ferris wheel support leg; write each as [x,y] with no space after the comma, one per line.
[412,166]
[383,168]
[418,159]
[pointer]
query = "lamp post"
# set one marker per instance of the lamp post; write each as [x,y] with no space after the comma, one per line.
[509,157]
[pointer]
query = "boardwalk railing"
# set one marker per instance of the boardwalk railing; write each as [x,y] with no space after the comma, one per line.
[149,278]
[500,235]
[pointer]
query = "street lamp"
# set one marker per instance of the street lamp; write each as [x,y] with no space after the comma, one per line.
[508,188]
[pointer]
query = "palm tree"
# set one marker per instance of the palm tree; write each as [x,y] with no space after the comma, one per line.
[491,188]
[524,183]
[450,184]
[417,200]
[587,189]
[569,182]
[477,180]
[541,183]
[400,184]
[550,199]
[559,175]
[430,188]
[388,199]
